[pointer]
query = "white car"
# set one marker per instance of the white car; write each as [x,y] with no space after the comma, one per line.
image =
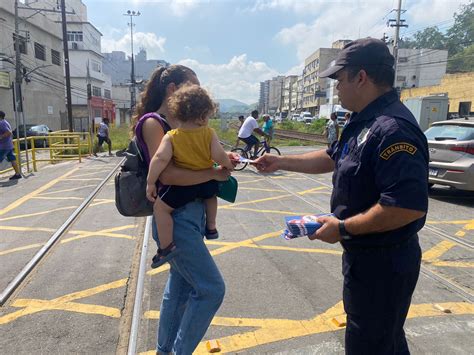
[295,117]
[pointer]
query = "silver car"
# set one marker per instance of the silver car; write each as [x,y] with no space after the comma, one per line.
[451,146]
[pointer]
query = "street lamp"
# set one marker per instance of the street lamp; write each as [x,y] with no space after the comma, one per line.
[132,14]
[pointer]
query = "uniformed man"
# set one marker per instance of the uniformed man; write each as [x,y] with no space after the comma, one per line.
[380,197]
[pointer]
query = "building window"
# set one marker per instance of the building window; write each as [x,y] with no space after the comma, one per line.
[55,57]
[22,42]
[96,91]
[74,36]
[401,78]
[40,52]
[96,66]
[403,59]
[107,94]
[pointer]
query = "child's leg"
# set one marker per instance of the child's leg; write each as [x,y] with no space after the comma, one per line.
[164,222]
[211,213]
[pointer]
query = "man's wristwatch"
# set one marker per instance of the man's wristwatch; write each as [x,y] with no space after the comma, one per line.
[343,232]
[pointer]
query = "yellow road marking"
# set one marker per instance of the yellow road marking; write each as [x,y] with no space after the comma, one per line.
[26,229]
[67,190]
[57,198]
[274,330]
[432,255]
[88,179]
[255,201]
[25,198]
[312,190]
[101,202]
[286,213]
[88,174]
[64,303]
[38,213]
[251,181]
[81,235]
[280,248]
[259,189]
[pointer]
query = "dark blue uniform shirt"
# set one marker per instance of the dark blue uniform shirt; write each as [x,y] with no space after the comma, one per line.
[382,157]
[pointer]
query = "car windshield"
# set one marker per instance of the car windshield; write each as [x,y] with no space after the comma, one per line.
[450,132]
[35,128]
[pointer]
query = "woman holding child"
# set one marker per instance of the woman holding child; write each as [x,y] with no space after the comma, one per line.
[195,288]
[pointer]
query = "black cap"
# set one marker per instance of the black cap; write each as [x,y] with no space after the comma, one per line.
[361,52]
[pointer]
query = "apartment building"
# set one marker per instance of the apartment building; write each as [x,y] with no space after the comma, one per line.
[40,44]
[314,87]
[263,100]
[275,94]
[289,96]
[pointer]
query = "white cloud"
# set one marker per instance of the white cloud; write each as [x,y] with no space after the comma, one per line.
[183,7]
[297,6]
[154,45]
[239,79]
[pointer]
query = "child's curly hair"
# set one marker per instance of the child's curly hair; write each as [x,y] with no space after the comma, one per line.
[190,102]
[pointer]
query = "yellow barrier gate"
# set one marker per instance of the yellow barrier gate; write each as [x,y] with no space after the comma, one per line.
[61,146]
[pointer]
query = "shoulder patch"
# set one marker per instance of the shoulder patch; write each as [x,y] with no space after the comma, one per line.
[397,148]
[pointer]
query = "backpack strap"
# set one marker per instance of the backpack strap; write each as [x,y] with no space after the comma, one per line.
[139,132]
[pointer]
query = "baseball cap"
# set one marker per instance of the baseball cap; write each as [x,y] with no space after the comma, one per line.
[361,52]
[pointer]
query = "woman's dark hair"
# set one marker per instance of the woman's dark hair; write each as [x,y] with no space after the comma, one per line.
[155,90]
[190,102]
[381,75]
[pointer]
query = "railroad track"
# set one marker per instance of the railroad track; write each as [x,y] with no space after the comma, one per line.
[310,137]
[53,240]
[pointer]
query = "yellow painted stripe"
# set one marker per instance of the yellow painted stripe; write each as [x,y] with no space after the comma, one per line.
[439,249]
[286,213]
[279,248]
[316,189]
[103,202]
[255,201]
[26,229]
[27,197]
[88,179]
[250,181]
[260,189]
[67,190]
[57,198]
[88,174]
[38,213]
[462,264]
[26,247]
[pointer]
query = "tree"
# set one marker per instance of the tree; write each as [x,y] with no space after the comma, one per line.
[430,37]
[462,61]
[461,34]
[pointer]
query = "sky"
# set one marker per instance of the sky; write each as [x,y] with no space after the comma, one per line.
[233,45]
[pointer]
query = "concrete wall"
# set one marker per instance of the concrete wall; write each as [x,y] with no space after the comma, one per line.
[459,88]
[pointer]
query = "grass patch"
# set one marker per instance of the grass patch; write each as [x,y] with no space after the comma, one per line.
[120,137]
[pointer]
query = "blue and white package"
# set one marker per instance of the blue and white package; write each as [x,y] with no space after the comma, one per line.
[302,226]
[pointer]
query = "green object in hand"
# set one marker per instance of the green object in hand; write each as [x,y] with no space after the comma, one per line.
[228,189]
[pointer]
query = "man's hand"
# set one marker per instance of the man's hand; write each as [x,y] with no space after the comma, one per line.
[329,231]
[267,163]
[151,192]
[234,158]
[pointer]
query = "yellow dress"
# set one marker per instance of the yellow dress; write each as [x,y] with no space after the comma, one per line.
[192,147]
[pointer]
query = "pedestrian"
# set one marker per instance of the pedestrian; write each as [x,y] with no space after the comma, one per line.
[195,288]
[103,136]
[241,120]
[267,128]
[6,146]
[193,145]
[347,117]
[332,129]
[379,199]
[250,126]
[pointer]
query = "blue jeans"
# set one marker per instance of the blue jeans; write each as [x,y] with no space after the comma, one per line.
[195,288]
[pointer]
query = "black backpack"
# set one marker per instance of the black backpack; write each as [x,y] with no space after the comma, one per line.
[130,184]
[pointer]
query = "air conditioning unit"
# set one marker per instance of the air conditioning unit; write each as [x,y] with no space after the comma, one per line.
[74,45]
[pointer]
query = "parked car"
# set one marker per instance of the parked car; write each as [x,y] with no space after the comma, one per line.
[31,131]
[306,117]
[451,147]
[295,116]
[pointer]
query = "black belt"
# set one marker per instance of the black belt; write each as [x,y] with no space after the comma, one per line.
[376,248]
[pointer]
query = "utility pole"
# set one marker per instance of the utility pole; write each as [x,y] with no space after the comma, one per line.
[398,23]
[66,66]
[132,72]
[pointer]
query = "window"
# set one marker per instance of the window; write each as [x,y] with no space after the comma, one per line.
[403,59]
[96,91]
[40,52]
[96,66]
[107,94]
[74,36]
[401,78]
[55,57]
[22,42]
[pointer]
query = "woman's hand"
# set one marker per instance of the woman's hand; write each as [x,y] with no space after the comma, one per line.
[234,158]
[151,192]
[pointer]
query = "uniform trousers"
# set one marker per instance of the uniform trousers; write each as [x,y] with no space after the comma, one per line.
[378,287]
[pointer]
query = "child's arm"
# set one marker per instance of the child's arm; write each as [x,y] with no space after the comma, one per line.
[218,153]
[158,163]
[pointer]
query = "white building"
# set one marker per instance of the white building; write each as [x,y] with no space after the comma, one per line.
[40,43]
[420,67]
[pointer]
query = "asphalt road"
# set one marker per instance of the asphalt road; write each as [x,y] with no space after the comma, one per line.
[283,297]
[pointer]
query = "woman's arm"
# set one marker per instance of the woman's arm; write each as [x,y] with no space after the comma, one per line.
[218,154]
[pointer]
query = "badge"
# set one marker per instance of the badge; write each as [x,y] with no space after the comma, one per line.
[397,148]
[362,137]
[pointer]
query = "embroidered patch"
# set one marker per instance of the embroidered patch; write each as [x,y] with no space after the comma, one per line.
[397,148]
